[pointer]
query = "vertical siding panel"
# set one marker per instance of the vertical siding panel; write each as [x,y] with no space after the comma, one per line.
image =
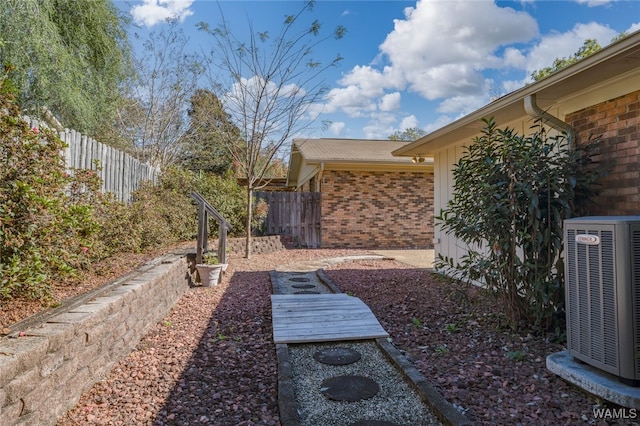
[438,179]
[459,249]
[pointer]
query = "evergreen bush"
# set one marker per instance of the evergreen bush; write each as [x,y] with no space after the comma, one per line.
[510,197]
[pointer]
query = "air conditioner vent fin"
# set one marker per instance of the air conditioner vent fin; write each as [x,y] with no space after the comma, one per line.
[607,275]
[635,284]
[594,284]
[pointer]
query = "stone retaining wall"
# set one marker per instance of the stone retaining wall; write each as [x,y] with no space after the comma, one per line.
[44,369]
[259,245]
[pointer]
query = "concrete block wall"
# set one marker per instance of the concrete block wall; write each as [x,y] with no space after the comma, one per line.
[259,245]
[377,209]
[617,123]
[44,369]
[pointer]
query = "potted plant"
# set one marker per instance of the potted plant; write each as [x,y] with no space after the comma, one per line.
[210,270]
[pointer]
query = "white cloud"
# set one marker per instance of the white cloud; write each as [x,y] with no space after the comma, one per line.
[409,122]
[514,58]
[633,28]
[441,47]
[511,85]
[152,12]
[337,127]
[461,104]
[390,102]
[441,51]
[370,81]
[441,121]
[594,3]
[381,126]
[562,45]
[351,100]
[438,50]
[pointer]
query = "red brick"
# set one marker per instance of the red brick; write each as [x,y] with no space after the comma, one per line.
[619,150]
[377,209]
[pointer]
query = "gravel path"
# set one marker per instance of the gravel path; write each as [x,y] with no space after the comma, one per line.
[212,359]
[395,402]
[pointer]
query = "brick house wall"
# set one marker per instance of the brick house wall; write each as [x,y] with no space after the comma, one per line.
[377,209]
[617,123]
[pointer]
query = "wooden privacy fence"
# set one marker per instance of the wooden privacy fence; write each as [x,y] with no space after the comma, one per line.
[293,213]
[121,173]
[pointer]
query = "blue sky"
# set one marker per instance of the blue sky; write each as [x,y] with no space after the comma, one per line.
[414,64]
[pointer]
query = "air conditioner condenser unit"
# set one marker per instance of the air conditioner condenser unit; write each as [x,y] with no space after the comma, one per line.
[602,290]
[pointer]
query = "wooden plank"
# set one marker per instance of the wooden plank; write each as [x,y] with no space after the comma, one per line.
[322,318]
[333,336]
[313,311]
[324,327]
[337,317]
[325,312]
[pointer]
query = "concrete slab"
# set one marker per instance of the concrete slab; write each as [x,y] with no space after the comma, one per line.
[593,380]
[417,258]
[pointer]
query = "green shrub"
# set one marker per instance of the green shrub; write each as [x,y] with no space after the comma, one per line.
[44,221]
[54,221]
[510,197]
[170,203]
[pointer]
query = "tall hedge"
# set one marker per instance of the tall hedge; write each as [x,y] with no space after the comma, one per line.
[510,197]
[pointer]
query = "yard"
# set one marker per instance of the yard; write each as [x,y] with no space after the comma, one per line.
[212,360]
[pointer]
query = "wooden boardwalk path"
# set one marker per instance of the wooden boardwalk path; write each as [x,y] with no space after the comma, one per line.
[305,318]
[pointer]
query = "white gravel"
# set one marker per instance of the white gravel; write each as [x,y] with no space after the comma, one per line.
[396,401]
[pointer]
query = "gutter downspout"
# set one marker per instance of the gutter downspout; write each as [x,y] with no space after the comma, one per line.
[532,108]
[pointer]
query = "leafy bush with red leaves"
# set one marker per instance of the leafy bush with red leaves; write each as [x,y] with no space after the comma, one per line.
[45,218]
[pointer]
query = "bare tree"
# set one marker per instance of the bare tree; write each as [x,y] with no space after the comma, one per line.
[267,86]
[153,117]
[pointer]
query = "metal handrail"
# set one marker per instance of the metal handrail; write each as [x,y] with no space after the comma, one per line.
[204,209]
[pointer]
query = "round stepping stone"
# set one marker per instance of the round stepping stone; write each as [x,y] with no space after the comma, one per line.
[349,388]
[306,292]
[337,356]
[303,286]
[373,423]
[299,279]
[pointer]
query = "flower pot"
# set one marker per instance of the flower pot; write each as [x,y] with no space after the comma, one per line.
[210,274]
